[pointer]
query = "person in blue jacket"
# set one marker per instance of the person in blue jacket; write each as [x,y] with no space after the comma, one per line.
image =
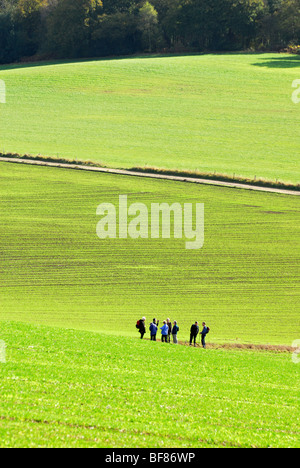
[153,329]
[203,334]
[164,332]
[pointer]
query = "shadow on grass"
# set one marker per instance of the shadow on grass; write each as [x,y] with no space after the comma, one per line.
[283,61]
[44,63]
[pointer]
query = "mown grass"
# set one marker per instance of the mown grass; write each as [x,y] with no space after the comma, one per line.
[230,114]
[55,270]
[68,388]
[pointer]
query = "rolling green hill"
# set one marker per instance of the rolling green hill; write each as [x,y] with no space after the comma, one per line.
[67,388]
[76,373]
[56,271]
[232,113]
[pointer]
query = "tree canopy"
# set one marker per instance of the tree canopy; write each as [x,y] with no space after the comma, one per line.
[86,28]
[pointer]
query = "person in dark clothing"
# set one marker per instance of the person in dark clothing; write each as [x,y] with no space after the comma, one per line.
[203,334]
[142,327]
[194,333]
[169,330]
[153,329]
[175,330]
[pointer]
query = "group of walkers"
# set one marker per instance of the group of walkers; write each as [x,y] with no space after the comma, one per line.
[169,329]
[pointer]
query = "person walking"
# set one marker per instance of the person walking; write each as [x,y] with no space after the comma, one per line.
[169,330]
[141,326]
[153,329]
[194,333]
[175,330]
[204,332]
[164,332]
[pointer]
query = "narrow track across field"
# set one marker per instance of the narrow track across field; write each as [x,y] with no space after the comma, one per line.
[125,172]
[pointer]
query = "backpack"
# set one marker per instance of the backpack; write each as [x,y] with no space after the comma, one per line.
[208,329]
[138,323]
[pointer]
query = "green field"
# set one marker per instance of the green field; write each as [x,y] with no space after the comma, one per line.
[80,389]
[76,373]
[232,113]
[55,270]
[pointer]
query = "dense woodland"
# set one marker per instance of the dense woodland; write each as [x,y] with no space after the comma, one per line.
[46,29]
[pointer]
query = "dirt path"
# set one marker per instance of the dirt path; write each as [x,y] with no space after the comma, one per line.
[150,175]
[248,346]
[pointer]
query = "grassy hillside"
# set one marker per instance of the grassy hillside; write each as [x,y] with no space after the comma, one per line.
[231,114]
[55,270]
[79,389]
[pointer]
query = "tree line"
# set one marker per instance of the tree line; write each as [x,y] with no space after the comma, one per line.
[44,29]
